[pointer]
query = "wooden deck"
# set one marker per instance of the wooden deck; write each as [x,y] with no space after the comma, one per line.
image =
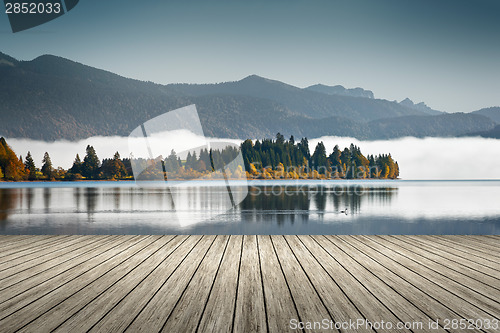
[249,283]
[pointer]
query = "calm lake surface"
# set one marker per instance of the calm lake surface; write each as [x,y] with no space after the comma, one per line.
[270,207]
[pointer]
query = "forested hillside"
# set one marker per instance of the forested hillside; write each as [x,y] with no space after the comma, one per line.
[52,98]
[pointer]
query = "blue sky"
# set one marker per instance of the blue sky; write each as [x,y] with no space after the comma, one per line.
[445,53]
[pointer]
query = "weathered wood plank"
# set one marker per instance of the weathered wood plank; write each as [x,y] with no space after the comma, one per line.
[430,271]
[153,316]
[474,279]
[250,314]
[442,293]
[376,298]
[432,308]
[36,268]
[219,310]
[309,305]
[458,251]
[124,312]
[280,308]
[69,305]
[96,309]
[483,241]
[20,295]
[459,259]
[480,245]
[20,262]
[49,307]
[188,311]
[354,280]
[29,245]
[339,306]
[9,240]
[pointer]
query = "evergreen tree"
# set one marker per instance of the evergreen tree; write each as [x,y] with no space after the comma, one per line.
[319,160]
[29,164]
[47,169]
[303,146]
[114,168]
[172,163]
[77,166]
[280,139]
[91,164]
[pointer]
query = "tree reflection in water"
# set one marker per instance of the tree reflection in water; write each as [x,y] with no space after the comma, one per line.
[8,198]
[289,203]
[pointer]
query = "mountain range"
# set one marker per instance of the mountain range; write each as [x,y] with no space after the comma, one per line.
[51,98]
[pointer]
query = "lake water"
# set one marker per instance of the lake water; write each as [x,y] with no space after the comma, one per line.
[270,207]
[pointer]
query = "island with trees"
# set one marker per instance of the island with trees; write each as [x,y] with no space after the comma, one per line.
[263,159]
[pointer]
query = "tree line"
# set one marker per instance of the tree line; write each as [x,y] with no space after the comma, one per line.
[281,158]
[263,159]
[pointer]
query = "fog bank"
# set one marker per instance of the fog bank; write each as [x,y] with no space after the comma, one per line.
[432,158]
[427,158]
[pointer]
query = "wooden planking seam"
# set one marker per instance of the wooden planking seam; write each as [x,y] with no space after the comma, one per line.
[278,301]
[286,280]
[469,244]
[58,240]
[416,296]
[462,261]
[340,307]
[91,313]
[204,276]
[188,282]
[123,313]
[25,243]
[237,286]
[463,246]
[220,305]
[10,240]
[41,267]
[484,243]
[465,292]
[472,311]
[51,299]
[250,293]
[71,273]
[322,264]
[60,303]
[118,302]
[262,283]
[14,263]
[309,303]
[480,260]
[375,289]
[444,265]
[154,313]
[31,244]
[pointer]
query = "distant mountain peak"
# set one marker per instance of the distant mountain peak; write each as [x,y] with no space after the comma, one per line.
[341,90]
[419,106]
[259,79]
[407,102]
[253,77]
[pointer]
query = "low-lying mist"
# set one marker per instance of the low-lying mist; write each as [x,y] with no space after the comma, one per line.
[432,158]
[427,158]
